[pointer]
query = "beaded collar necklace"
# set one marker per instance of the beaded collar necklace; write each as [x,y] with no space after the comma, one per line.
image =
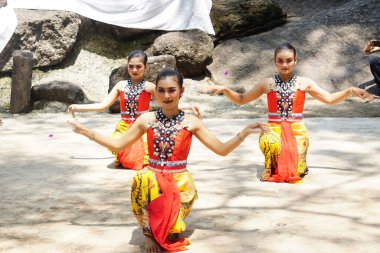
[132,94]
[285,85]
[165,131]
[285,92]
[134,89]
[170,122]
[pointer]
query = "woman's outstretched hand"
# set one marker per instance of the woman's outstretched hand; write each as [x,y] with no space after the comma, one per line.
[213,89]
[76,126]
[72,109]
[363,94]
[196,111]
[258,128]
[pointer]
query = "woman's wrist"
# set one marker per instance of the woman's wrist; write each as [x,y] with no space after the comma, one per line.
[91,136]
[351,91]
[242,135]
[239,137]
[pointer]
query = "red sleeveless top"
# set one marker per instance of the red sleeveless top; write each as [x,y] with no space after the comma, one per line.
[169,144]
[285,101]
[134,101]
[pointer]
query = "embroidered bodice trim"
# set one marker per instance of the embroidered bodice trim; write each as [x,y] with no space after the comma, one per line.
[285,93]
[131,95]
[165,131]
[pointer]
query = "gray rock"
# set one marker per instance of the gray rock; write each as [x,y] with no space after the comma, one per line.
[3,3]
[158,63]
[302,8]
[192,50]
[140,38]
[155,64]
[59,91]
[45,106]
[49,35]
[237,18]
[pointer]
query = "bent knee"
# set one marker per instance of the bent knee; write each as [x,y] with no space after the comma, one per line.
[269,138]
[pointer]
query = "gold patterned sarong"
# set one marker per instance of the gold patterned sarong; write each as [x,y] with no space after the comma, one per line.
[145,189]
[270,145]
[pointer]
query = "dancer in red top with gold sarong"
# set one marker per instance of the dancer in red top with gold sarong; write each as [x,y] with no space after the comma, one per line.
[135,95]
[134,101]
[285,147]
[163,192]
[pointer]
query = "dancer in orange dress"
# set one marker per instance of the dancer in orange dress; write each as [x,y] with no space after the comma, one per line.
[164,192]
[285,147]
[135,95]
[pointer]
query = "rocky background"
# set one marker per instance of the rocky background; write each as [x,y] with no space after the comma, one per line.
[79,60]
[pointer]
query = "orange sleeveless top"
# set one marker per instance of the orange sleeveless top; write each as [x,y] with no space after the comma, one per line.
[134,101]
[169,143]
[285,101]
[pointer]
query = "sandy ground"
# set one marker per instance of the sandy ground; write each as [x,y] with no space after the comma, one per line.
[61,194]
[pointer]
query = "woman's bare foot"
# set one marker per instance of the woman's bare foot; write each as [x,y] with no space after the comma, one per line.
[173,237]
[116,164]
[151,245]
[265,176]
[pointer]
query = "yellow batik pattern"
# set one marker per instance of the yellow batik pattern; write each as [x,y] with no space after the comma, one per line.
[270,145]
[145,189]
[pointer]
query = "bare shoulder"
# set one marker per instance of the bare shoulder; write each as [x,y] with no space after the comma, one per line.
[121,84]
[149,86]
[265,84]
[305,83]
[192,123]
[146,119]
[268,81]
[149,116]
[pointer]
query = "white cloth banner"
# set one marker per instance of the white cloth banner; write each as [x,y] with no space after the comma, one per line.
[8,24]
[169,15]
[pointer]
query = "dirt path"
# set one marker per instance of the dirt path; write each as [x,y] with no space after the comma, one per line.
[61,194]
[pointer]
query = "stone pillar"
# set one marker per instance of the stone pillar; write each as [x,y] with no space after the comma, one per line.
[3,3]
[21,81]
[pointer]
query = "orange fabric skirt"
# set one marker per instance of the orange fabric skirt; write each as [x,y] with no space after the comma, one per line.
[134,157]
[285,149]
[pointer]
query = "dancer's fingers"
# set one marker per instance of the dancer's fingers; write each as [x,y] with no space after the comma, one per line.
[73,114]
[72,109]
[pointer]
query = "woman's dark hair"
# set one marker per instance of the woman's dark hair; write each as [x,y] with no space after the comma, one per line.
[284,46]
[139,54]
[170,73]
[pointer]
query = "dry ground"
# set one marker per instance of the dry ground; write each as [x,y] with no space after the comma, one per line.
[61,194]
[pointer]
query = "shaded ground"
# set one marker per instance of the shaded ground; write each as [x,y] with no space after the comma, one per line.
[61,194]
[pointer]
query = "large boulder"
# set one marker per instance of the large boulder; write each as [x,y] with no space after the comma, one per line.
[138,38]
[59,91]
[155,64]
[49,35]
[192,49]
[238,18]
